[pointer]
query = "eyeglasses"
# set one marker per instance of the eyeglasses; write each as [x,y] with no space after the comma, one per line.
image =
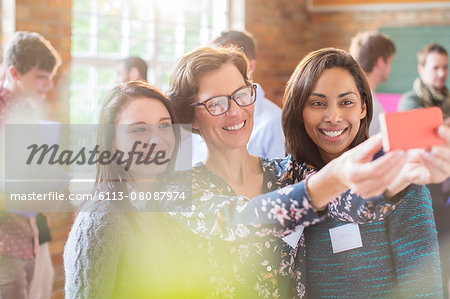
[218,105]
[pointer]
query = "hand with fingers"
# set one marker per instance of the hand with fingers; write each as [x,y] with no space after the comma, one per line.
[437,160]
[366,176]
[427,166]
[356,170]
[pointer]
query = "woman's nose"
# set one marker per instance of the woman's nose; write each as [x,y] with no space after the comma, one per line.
[333,115]
[155,137]
[233,108]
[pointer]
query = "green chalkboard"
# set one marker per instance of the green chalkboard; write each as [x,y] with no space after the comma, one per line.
[408,41]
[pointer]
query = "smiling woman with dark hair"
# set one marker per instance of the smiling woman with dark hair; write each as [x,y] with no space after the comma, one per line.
[326,113]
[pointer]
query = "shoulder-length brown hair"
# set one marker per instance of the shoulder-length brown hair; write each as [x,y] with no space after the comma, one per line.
[185,76]
[298,90]
[110,176]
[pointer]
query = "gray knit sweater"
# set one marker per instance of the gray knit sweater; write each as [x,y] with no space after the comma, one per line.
[93,251]
[112,254]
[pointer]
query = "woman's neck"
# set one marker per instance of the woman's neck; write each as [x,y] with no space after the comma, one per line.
[242,171]
[142,185]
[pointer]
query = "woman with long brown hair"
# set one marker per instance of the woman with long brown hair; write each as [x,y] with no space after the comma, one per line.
[116,248]
[327,112]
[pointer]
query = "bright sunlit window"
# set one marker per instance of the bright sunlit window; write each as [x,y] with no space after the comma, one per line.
[158,31]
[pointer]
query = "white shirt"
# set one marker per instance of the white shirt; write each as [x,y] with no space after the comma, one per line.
[374,127]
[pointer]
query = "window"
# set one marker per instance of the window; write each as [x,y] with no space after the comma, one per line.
[159,31]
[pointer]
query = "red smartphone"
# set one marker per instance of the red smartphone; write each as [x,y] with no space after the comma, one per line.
[411,129]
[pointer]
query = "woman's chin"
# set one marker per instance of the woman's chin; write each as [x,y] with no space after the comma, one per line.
[148,174]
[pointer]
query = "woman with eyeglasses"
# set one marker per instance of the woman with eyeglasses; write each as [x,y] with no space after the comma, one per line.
[243,227]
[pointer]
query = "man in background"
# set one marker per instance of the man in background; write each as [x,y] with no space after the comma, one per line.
[131,69]
[374,52]
[429,88]
[30,62]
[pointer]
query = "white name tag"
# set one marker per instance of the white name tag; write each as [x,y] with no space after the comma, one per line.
[345,237]
[292,238]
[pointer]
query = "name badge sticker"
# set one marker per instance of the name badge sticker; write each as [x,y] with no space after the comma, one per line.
[345,237]
[293,238]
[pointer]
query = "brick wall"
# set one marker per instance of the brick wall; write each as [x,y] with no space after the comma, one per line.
[281,29]
[8,18]
[334,29]
[286,31]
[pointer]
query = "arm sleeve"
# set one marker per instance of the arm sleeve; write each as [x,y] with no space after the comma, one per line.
[276,213]
[351,207]
[348,207]
[413,239]
[91,255]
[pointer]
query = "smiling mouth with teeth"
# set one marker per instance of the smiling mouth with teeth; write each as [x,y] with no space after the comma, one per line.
[332,134]
[235,127]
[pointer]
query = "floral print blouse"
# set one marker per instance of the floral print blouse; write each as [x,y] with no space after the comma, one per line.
[257,262]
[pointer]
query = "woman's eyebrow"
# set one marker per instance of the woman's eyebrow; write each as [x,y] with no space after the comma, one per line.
[339,96]
[346,93]
[318,95]
[239,88]
[165,118]
[225,95]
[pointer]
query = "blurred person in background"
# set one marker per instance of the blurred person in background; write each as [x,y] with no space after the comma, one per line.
[131,69]
[30,62]
[374,52]
[429,90]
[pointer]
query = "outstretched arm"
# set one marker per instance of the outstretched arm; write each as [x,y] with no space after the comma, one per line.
[277,213]
[283,211]
[358,171]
